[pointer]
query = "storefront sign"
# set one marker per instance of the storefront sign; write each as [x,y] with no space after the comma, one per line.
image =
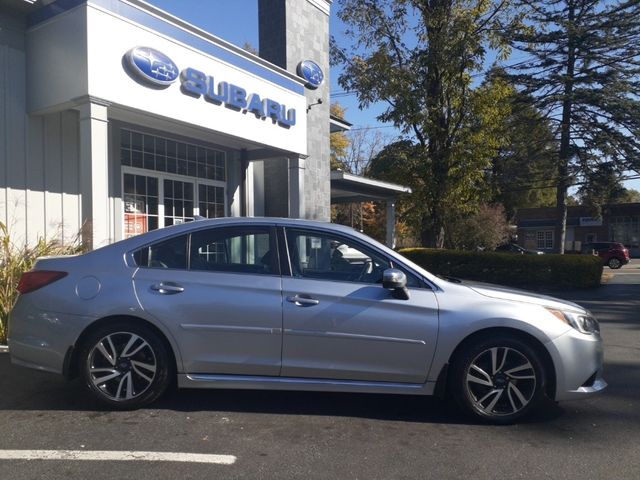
[154,68]
[151,66]
[590,222]
[311,72]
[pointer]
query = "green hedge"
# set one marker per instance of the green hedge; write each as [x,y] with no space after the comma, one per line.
[529,271]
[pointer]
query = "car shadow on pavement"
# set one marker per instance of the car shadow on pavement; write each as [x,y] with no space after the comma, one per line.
[403,408]
[28,390]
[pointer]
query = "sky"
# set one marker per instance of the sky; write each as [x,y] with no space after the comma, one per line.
[236,21]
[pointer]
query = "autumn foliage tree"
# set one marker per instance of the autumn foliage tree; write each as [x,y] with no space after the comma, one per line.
[419,57]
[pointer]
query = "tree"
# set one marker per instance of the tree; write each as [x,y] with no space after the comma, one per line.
[582,66]
[419,56]
[629,196]
[603,187]
[339,143]
[523,172]
[485,229]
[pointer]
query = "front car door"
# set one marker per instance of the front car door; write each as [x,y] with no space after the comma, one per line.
[339,323]
[218,290]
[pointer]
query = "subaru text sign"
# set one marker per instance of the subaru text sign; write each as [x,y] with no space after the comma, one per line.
[153,68]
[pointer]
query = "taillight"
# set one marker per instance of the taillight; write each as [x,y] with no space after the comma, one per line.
[30,281]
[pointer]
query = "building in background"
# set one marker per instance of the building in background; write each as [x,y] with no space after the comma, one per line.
[619,223]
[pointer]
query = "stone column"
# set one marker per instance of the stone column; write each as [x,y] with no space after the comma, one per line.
[292,31]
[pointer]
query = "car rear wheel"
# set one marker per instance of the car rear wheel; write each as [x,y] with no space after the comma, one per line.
[614,263]
[125,365]
[498,379]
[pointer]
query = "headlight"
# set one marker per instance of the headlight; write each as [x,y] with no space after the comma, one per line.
[584,323]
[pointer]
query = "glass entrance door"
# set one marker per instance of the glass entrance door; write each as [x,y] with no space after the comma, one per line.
[141,204]
[178,201]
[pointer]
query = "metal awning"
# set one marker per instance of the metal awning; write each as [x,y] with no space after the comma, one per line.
[349,188]
[337,124]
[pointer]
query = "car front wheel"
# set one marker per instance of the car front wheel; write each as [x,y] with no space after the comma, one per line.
[498,379]
[125,365]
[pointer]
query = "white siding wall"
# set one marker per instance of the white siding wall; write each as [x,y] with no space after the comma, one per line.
[12,124]
[39,162]
[53,196]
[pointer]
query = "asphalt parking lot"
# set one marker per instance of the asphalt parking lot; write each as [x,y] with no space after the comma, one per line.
[310,435]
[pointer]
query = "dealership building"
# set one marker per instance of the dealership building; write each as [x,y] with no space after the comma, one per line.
[118,118]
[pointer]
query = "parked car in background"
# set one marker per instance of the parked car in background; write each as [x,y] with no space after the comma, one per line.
[295,305]
[517,249]
[614,254]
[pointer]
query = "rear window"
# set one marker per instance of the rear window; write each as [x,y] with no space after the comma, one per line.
[171,253]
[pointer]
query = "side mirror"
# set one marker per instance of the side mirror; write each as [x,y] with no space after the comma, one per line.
[396,281]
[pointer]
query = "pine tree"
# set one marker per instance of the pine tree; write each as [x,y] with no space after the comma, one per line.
[582,66]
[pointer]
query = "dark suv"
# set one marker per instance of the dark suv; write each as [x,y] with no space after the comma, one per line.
[612,253]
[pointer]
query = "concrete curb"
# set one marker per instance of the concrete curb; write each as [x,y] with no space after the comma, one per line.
[4,349]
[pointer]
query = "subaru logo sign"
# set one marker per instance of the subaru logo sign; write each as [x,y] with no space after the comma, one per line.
[155,70]
[151,66]
[311,72]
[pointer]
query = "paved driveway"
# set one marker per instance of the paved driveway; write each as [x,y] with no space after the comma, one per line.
[310,435]
[628,274]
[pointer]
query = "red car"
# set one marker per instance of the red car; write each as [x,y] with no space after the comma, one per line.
[613,254]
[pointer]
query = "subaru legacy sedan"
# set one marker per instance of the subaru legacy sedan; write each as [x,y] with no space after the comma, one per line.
[295,305]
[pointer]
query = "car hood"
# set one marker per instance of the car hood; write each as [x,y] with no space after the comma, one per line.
[515,295]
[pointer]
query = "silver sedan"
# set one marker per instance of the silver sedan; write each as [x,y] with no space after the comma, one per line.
[295,305]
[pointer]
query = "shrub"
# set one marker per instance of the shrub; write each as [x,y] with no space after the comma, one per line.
[14,260]
[529,271]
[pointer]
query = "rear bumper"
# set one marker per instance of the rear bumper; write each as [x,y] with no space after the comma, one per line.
[40,340]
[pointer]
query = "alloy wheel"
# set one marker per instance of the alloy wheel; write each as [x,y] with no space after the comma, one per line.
[500,381]
[122,366]
[615,263]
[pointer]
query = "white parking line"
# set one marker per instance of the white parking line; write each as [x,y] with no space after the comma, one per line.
[116,456]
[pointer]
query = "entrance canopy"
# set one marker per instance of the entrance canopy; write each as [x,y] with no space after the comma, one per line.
[349,188]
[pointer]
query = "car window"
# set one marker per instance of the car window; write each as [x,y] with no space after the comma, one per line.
[234,250]
[171,253]
[322,256]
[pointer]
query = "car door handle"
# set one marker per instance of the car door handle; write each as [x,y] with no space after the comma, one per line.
[303,301]
[167,288]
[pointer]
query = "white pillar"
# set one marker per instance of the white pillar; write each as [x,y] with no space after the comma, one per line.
[296,188]
[94,175]
[391,223]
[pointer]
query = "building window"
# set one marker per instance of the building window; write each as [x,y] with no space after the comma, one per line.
[625,230]
[166,182]
[545,240]
[151,152]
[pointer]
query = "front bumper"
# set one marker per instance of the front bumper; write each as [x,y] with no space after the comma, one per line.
[578,360]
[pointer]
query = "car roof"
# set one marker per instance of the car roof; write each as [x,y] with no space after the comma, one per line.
[161,233]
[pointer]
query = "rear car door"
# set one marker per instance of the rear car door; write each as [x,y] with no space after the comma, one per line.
[218,290]
[339,323]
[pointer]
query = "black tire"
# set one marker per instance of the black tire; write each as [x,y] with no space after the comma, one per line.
[498,391]
[614,263]
[132,358]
